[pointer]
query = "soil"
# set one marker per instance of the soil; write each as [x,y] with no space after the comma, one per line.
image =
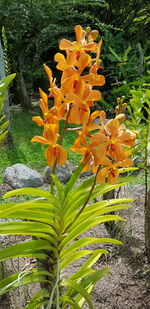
[128,284]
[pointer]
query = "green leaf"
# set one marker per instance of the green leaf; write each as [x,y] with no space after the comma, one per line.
[59,187]
[77,255]
[115,54]
[98,275]
[80,289]
[28,228]
[33,248]
[74,178]
[33,191]
[125,55]
[86,226]
[24,277]
[95,209]
[4,126]
[5,82]
[39,299]
[68,300]
[80,243]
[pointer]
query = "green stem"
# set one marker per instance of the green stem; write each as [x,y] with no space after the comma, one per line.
[55,289]
[60,143]
[85,203]
[146,163]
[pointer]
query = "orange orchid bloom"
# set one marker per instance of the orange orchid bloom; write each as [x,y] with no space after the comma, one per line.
[115,137]
[111,171]
[80,46]
[73,80]
[50,115]
[55,152]
[54,90]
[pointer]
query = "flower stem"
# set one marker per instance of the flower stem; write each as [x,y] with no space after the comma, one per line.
[60,143]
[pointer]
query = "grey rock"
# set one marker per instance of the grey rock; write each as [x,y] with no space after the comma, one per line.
[21,176]
[63,172]
[4,188]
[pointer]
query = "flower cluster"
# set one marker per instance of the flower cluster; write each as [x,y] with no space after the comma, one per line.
[105,145]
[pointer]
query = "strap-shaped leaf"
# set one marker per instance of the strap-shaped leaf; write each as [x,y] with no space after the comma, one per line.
[77,255]
[90,282]
[28,228]
[45,217]
[68,300]
[87,225]
[5,82]
[43,206]
[80,289]
[80,243]
[37,304]
[32,191]
[59,187]
[74,178]
[40,298]
[80,188]
[98,275]
[33,248]
[101,189]
[4,126]
[98,212]
[24,277]
[84,269]
[92,208]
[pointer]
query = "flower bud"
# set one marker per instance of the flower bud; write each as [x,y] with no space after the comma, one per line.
[124,105]
[94,34]
[118,100]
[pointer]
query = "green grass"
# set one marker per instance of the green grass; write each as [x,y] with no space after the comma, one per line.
[21,150]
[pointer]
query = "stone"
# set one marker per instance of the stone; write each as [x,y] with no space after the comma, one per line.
[63,172]
[4,188]
[20,176]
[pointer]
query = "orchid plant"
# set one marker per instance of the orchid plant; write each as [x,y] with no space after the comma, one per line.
[58,221]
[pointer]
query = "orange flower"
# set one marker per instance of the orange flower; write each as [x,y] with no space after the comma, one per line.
[80,46]
[54,90]
[114,136]
[50,116]
[111,171]
[54,153]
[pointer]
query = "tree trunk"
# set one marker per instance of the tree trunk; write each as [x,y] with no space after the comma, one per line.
[147,226]
[2,75]
[23,93]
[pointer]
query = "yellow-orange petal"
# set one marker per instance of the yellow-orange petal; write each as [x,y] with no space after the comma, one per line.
[59,57]
[65,44]
[94,79]
[101,176]
[113,175]
[84,62]
[78,33]
[38,120]
[44,97]
[43,106]
[50,155]
[61,155]
[94,95]
[48,71]
[40,139]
